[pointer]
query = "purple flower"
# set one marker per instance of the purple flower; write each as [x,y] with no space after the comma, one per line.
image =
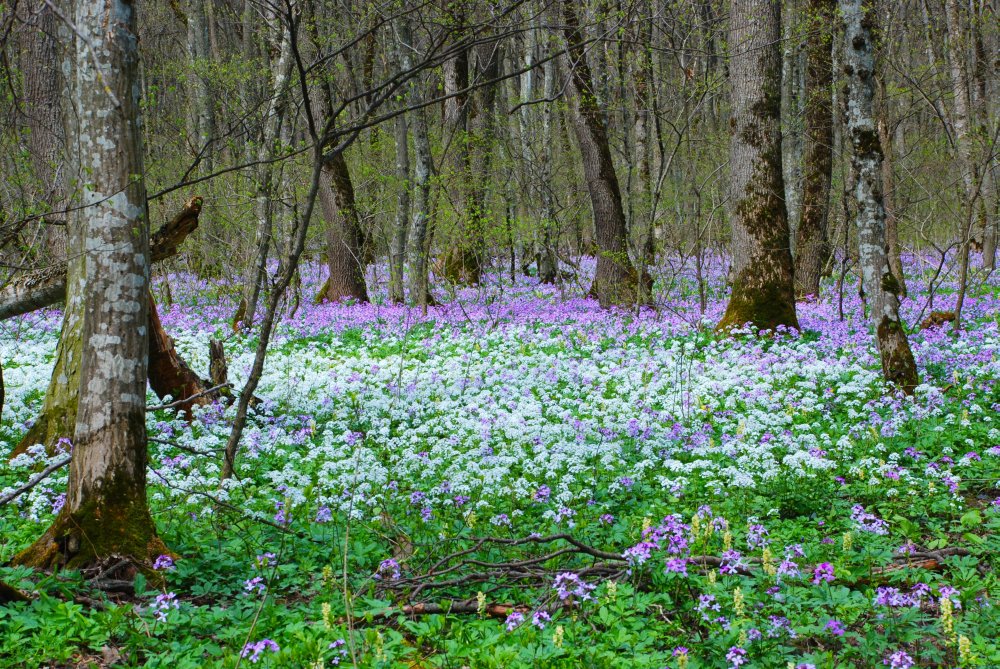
[253,651]
[390,567]
[539,618]
[568,584]
[514,619]
[757,536]
[736,657]
[606,519]
[836,628]
[340,646]
[163,562]
[676,566]
[680,650]
[255,583]
[823,572]
[265,560]
[324,515]
[461,500]
[867,522]
[162,604]
[427,513]
[898,660]
[542,493]
[732,562]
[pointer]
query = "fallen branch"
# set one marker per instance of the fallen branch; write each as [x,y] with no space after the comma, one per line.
[45,473]
[454,606]
[186,400]
[45,287]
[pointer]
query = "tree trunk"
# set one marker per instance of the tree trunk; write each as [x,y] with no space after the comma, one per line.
[763,293]
[266,152]
[345,259]
[401,224]
[812,246]
[201,119]
[106,515]
[889,202]
[616,282]
[963,142]
[423,168]
[898,366]
[45,136]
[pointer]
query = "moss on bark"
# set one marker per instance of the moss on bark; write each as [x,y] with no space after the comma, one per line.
[114,522]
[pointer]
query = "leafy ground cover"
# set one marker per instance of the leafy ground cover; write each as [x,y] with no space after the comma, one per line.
[520,479]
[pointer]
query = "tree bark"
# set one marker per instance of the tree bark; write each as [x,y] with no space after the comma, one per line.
[812,246]
[106,512]
[345,257]
[45,136]
[963,141]
[401,224]
[898,366]
[763,293]
[616,281]
[419,293]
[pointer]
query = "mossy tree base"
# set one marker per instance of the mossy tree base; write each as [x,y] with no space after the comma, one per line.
[95,535]
[765,305]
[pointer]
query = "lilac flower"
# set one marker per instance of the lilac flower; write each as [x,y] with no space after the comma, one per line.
[835,627]
[606,519]
[867,522]
[568,584]
[626,482]
[539,618]
[514,619]
[390,567]
[736,657]
[805,665]
[680,650]
[638,554]
[255,584]
[676,566]
[894,598]
[757,537]
[427,513]
[461,500]
[162,605]
[265,560]
[253,651]
[324,515]
[707,603]
[732,562]
[898,660]
[163,562]
[823,572]
[417,497]
[58,503]
[340,646]
[542,494]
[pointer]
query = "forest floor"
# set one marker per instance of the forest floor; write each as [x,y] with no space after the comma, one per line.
[544,484]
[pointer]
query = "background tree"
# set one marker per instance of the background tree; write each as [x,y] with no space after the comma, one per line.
[898,365]
[762,290]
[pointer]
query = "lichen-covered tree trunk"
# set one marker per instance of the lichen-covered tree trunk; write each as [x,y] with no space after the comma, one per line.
[548,265]
[345,258]
[763,293]
[616,281]
[898,365]
[266,152]
[422,170]
[169,375]
[811,241]
[106,514]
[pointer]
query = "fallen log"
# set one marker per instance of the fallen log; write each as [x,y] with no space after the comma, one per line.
[45,287]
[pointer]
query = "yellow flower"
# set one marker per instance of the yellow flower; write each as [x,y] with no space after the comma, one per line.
[738,604]
[848,541]
[947,619]
[965,656]
[480,603]
[557,638]
[767,562]
[326,616]
[727,540]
